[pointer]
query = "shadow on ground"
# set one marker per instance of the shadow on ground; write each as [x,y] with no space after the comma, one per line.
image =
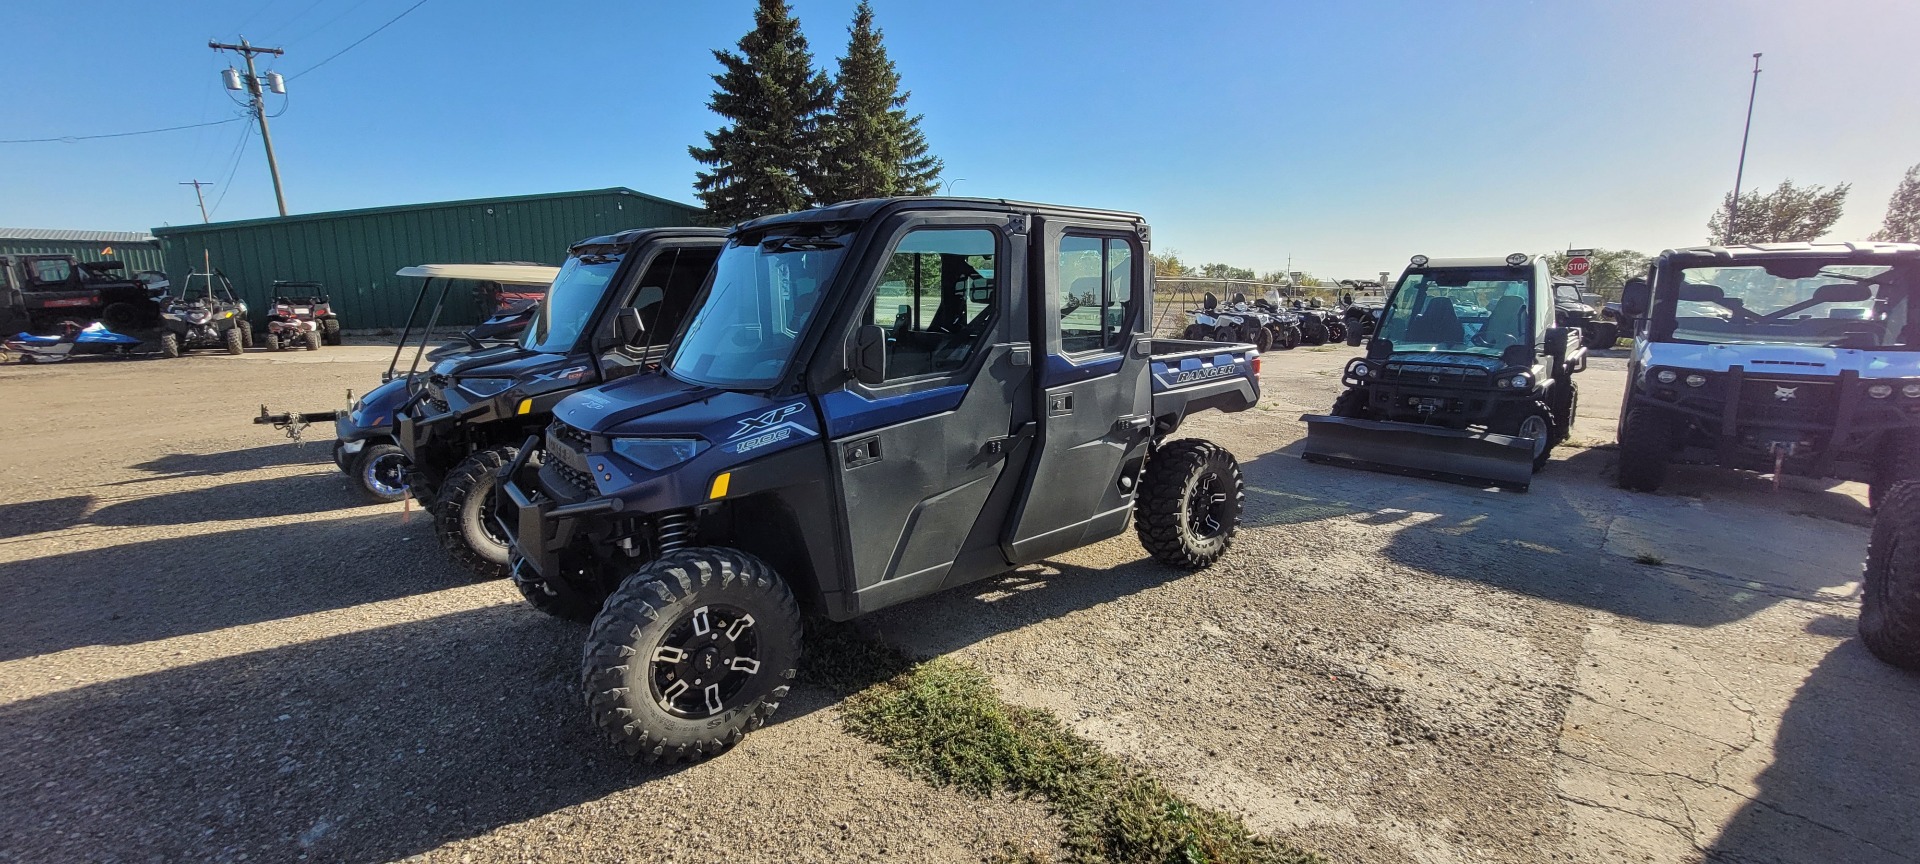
[1845,781]
[1546,543]
[138,592]
[268,497]
[318,449]
[53,514]
[369,747]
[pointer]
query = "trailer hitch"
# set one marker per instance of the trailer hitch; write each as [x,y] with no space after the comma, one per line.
[293,424]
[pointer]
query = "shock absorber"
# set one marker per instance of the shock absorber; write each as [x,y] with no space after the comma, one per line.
[673,531]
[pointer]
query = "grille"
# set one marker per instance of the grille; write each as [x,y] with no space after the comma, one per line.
[1761,398]
[569,447]
[436,400]
[1436,374]
[580,481]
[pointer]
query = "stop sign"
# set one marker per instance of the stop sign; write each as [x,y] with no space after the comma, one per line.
[1576,266]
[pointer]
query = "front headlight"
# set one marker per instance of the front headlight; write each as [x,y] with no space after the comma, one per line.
[1666,376]
[1880,391]
[1521,381]
[655,454]
[1359,369]
[484,387]
[1911,391]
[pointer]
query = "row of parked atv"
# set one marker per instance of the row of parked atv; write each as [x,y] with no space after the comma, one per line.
[68,308]
[1267,323]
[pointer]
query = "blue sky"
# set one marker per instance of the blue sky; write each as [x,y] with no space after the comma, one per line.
[1345,135]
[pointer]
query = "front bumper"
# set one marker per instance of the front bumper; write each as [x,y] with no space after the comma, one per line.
[537,527]
[1823,421]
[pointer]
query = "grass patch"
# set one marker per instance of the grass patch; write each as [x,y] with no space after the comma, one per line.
[941,721]
[1649,559]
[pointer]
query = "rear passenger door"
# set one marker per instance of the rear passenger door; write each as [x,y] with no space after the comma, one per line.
[1095,406]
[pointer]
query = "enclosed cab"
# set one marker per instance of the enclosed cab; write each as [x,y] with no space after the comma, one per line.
[44,292]
[1468,376]
[609,313]
[1797,358]
[1574,310]
[872,402]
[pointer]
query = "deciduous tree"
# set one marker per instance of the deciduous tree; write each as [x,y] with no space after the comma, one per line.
[1903,211]
[1788,214]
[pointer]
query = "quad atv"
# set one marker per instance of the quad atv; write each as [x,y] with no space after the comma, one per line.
[210,318]
[1789,358]
[296,315]
[1467,379]
[364,446]
[865,408]
[609,313]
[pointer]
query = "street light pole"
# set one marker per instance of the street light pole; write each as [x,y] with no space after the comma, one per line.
[259,106]
[1733,206]
[949,184]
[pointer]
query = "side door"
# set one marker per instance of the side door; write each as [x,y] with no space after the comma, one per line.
[920,454]
[1095,405]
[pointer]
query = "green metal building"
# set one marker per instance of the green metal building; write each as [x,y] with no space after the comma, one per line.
[138,251]
[354,253]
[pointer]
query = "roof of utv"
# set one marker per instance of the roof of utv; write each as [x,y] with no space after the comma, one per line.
[512,274]
[1763,251]
[867,208]
[1441,263]
[636,236]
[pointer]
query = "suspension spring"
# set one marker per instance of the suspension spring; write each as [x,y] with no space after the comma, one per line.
[673,531]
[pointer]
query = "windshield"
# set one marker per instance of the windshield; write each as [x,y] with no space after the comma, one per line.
[563,314]
[1798,303]
[1567,294]
[764,292]
[1459,311]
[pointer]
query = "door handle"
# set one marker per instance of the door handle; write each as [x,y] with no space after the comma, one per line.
[865,451]
[1002,444]
[1059,403]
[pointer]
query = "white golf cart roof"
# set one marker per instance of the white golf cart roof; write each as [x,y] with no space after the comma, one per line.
[511,274]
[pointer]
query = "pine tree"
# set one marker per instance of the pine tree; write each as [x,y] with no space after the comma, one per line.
[1903,211]
[876,149]
[767,156]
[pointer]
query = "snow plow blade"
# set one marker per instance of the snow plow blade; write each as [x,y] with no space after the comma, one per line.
[1453,455]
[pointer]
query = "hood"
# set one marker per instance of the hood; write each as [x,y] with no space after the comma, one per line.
[497,361]
[601,409]
[1781,359]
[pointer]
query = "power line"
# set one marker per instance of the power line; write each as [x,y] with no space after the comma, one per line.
[356,42]
[239,150]
[72,138]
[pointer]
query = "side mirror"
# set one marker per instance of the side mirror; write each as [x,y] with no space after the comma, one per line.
[869,361]
[1636,297]
[1517,355]
[626,326]
[1346,298]
[1557,341]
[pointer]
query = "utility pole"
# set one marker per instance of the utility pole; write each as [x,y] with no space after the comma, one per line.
[199,197]
[1733,207]
[259,104]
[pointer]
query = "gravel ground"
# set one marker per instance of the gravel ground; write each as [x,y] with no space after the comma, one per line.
[211,651]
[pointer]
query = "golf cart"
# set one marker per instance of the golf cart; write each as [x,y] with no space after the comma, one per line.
[873,401]
[1799,358]
[364,447]
[213,318]
[1467,379]
[610,313]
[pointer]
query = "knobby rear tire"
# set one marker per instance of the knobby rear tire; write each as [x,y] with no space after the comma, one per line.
[1164,513]
[460,512]
[1890,586]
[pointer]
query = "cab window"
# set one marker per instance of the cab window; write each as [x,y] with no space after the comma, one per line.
[1095,290]
[936,300]
[49,271]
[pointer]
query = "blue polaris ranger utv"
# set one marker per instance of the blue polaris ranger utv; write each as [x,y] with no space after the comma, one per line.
[871,402]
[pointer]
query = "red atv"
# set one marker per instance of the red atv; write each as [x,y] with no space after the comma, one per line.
[301,320]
